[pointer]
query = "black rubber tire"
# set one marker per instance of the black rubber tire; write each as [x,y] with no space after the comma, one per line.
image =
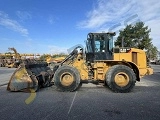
[76,78]
[110,75]
[79,86]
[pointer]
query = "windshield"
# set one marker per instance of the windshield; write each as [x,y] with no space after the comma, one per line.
[99,45]
[110,43]
[88,47]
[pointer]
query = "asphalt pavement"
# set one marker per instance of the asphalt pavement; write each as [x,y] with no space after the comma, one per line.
[5,74]
[89,102]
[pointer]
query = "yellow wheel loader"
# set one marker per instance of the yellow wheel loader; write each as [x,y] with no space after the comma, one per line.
[99,63]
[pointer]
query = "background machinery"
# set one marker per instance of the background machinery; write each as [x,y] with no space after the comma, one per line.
[51,60]
[100,63]
[13,59]
[16,60]
[6,60]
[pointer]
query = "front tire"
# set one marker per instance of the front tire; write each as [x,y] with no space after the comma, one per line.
[66,78]
[120,78]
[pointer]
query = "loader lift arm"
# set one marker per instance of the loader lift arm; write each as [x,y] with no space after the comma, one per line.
[17,55]
[71,55]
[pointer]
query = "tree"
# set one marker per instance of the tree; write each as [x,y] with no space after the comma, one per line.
[137,36]
[59,55]
[43,57]
[152,52]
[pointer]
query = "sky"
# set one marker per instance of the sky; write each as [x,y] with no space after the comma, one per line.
[55,26]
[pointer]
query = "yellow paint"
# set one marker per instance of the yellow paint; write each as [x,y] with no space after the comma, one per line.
[66,79]
[81,67]
[32,97]
[137,57]
[49,59]
[122,56]
[20,73]
[121,79]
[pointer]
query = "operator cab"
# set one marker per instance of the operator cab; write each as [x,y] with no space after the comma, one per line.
[99,46]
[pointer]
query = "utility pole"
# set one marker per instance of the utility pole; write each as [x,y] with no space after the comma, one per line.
[122,44]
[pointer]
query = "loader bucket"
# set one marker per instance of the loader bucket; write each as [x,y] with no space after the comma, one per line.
[31,74]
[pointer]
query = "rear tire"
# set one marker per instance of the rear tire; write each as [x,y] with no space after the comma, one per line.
[67,78]
[120,78]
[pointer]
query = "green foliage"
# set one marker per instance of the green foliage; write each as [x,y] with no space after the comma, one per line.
[59,55]
[44,56]
[152,52]
[137,36]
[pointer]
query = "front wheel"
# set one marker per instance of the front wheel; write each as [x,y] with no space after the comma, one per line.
[67,78]
[120,78]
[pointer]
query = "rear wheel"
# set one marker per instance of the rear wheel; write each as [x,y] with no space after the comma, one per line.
[120,78]
[67,78]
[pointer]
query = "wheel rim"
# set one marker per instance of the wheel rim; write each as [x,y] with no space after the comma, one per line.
[66,79]
[121,79]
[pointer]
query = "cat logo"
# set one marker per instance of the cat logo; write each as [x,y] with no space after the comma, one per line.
[124,50]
